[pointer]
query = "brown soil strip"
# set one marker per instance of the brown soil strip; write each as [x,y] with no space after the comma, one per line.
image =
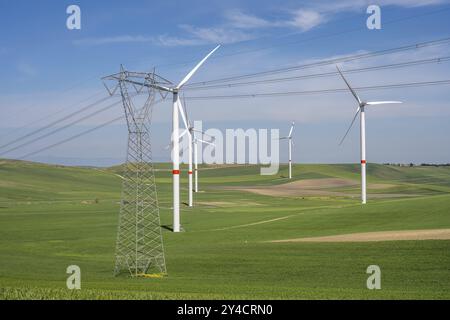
[432,234]
[312,187]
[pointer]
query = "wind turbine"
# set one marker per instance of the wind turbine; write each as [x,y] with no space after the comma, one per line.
[175,134]
[196,141]
[361,111]
[192,141]
[189,131]
[176,145]
[289,138]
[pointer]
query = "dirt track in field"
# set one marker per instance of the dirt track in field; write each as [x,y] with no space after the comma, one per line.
[314,187]
[432,234]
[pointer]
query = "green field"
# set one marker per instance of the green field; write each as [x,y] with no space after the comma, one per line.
[53,216]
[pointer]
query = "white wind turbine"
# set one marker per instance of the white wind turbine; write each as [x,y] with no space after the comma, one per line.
[192,141]
[175,138]
[290,143]
[175,142]
[361,111]
[189,129]
[196,141]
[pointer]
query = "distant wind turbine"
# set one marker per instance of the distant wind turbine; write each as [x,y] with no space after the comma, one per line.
[189,131]
[290,143]
[196,142]
[192,141]
[361,111]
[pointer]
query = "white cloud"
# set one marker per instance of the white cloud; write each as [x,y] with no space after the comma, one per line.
[315,13]
[113,40]
[319,12]
[353,5]
[303,19]
[194,36]
[237,25]
[238,19]
[168,41]
[221,35]
[406,3]
[306,19]
[162,40]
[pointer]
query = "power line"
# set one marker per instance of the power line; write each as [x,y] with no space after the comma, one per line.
[325,74]
[63,108]
[349,58]
[53,123]
[291,93]
[256,95]
[60,128]
[70,138]
[78,135]
[65,90]
[350,30]
[327,62]
[410,63]
[78,84]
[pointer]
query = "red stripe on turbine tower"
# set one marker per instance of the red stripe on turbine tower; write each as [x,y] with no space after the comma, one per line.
[363,161]
[175,171]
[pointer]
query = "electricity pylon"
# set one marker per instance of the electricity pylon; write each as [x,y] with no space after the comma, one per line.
[139,247]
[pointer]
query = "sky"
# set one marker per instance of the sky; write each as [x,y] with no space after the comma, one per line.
[49,72]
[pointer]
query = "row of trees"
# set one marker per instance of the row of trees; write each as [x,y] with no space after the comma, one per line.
[421,165]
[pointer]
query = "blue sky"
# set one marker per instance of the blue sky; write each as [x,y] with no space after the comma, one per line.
[47,68]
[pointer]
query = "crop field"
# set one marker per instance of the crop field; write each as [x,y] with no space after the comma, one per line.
[248,236]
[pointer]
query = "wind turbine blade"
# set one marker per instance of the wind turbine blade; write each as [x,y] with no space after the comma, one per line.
[351,125]
[183,133]
[292,128]
[195,130]
[190,74]
[183,115]
[206,142]
[375,103]
[283,138]
[204,133]
[348,85]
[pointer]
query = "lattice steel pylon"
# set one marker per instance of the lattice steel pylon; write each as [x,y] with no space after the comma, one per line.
[139,246]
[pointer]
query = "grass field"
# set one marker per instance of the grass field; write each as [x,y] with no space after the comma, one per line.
[52,217]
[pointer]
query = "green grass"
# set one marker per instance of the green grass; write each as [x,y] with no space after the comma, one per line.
[53,216]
